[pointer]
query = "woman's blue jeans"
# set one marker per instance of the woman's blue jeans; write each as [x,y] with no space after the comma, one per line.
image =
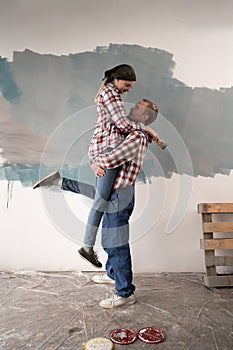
[100,195]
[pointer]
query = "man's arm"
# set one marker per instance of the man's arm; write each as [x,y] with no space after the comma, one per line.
[125,152]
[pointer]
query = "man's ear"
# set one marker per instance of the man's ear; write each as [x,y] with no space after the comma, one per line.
[145,117]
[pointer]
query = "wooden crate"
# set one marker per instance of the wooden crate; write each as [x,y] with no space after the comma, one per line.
[210,244]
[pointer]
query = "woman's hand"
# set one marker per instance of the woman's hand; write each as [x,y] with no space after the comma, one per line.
[98,171]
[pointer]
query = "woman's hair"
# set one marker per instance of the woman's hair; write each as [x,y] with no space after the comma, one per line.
[122,72]
[100,89]
[151,111]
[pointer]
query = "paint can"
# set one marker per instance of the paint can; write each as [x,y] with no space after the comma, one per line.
[123,336]
[151,335]
[98,344]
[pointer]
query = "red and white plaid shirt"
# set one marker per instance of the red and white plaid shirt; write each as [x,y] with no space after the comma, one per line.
[130,154]
[112,124]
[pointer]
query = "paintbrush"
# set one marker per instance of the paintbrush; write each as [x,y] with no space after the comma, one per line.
[162,144]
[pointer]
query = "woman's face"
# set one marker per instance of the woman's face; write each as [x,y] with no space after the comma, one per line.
[123,85]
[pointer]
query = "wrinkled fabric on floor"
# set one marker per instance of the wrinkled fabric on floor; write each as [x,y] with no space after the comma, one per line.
[49,311]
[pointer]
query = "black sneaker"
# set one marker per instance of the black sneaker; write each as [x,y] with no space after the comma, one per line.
[48,181]
[90,257]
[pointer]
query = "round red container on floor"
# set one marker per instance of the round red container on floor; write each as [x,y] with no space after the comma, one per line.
[122,336]
[151,335]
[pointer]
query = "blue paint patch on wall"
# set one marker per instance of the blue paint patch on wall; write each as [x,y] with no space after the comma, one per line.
[8,87]
[57,102]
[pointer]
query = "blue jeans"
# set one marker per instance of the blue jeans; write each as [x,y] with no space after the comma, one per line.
[78,187]
[115,233]
[115,225]
[119,268]
[115,238]
[100,195]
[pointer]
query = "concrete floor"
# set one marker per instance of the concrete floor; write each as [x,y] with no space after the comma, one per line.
[61,311]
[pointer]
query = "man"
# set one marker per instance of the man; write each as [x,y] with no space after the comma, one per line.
[115,226]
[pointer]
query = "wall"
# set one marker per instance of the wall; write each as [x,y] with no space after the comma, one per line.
[30,240]
[189,71]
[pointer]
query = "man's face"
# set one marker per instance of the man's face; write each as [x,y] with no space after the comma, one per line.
[138,112]
[123,85]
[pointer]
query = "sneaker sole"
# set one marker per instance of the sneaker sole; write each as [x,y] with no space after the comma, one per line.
[105,282]
[36,184]
[131,302]
[89,262]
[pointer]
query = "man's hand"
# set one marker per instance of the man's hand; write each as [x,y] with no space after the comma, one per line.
[98,171]
[152,135]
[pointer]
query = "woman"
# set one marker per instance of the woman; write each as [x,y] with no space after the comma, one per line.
[112,126]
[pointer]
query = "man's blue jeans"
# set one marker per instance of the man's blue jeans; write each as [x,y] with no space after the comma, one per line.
[115,233]
[115,240]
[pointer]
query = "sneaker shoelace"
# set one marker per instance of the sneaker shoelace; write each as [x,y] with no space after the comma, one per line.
[95,255]
[115,298]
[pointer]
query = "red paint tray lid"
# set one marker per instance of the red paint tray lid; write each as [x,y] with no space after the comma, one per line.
[123,336]
[151,335]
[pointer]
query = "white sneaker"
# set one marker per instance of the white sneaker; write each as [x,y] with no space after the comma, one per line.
[117,301]
[103,278]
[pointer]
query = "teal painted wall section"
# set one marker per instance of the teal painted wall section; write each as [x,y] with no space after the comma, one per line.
[8,87]
[47,114]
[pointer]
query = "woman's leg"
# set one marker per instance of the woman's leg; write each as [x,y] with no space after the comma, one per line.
[104,187]
[100,195]
[78,187]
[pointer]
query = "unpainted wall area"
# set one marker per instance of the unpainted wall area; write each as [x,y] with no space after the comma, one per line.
[33,239]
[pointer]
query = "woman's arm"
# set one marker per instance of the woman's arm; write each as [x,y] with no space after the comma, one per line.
[114,105]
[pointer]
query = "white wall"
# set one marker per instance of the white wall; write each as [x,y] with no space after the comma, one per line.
[31,241]
[199,34]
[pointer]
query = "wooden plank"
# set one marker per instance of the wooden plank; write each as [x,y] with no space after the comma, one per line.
[219,281]
[218,226]
[210,270]
[215,208]
[219,261]
[202,244]
[210,244]
[217,243]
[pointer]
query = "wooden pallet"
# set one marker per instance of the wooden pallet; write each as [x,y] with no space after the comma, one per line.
[210,244]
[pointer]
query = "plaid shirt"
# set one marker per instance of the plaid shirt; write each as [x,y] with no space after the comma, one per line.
[112,124]
[130,154]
